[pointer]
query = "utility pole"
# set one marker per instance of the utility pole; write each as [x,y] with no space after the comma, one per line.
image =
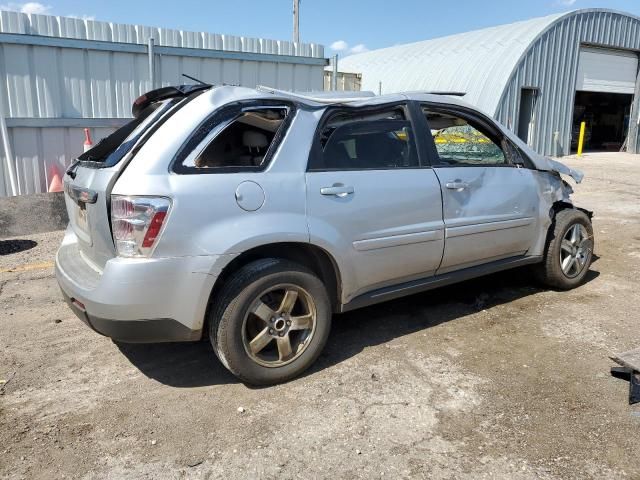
[296,21]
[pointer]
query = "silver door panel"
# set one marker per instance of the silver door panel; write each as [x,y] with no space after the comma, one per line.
[388,230]
[493,215]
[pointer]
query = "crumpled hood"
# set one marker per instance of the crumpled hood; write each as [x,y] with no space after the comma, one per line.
[556,166]
[541,162]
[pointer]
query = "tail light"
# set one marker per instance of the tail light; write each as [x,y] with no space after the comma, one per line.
[137,223]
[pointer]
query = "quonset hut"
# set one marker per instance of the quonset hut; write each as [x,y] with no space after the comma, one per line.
[541,77]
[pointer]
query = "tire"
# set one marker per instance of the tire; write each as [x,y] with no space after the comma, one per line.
[559,242]
[263,306]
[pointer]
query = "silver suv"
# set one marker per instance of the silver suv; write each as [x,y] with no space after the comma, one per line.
[249,217]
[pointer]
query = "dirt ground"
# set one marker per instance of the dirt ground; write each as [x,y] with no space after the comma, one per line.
[493,378]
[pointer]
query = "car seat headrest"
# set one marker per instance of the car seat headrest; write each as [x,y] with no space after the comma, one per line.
[254,139]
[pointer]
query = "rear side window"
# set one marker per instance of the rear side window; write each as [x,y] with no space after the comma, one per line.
[110,150]
[242,142]
[461,142]
[369,141]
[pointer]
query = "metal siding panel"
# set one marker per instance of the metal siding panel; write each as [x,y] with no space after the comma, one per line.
[316,79]
[47,81]
[141,82]
[54,151]
[75,94]
[211,71]
[73,81]
[268,75]
[169,37]
[44,25]
[249,73]
[98,31]
[4,181]
[72,27]
[170,70]
[16,60]
[231,72]
[191,66]
[100,84]
[13,22]
[123,65]
[285,76]
[27,159]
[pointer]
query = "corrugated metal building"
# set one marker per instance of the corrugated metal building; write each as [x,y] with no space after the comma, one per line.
[345,81]
[60,75]
[540,77]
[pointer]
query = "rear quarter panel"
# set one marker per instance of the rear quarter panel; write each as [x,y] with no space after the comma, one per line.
[205,217]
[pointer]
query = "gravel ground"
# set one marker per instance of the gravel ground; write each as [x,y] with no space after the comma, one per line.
[493,378]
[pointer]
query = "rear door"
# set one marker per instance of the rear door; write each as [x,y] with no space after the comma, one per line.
[88,183]
[371,201]
[490,200]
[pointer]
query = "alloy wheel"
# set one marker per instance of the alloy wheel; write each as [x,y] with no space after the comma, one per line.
[279,325]
[575,250]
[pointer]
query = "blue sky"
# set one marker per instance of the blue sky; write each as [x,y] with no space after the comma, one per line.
[348,25]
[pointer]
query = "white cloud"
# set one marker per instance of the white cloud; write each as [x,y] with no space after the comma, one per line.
[360,48]
[339,45]
[29,7]
[342,46]
[566,3]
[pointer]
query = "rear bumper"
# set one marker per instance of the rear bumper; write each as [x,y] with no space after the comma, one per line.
[135,331]
[138,300]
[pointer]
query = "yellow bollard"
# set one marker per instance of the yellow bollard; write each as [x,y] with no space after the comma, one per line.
[581,138]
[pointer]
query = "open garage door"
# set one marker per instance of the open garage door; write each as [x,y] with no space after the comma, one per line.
[607,71]
[604,93]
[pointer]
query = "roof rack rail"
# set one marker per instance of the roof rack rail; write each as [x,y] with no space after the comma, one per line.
[320,97]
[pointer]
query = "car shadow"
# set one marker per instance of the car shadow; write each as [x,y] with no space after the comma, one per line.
[354,331]
[181,365]
[7,247]
[185,365]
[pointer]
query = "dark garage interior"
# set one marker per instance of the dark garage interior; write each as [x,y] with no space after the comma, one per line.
[607,120]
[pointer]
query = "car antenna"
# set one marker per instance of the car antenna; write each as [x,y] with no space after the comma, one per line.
[194,79]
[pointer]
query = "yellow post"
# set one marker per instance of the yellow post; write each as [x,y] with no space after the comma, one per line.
[581,138]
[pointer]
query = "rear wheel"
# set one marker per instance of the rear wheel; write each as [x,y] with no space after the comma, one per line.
[270,321]
[569,250]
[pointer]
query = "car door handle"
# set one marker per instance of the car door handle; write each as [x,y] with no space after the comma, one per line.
[337,190]
[457,185]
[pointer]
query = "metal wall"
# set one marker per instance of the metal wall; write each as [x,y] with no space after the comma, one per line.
[351,82]
[60,75]
[551,64]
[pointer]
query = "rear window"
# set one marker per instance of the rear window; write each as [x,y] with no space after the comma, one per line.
[110,150]
[242,142]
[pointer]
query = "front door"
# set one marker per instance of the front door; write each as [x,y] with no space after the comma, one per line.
[369,201]
[490,204]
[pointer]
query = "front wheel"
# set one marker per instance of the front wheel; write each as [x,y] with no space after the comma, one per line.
[270,321]
[569,251]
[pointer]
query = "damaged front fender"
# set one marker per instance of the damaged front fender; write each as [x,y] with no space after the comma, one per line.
[556,166]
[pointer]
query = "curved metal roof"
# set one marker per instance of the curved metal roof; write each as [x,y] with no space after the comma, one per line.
[479,63]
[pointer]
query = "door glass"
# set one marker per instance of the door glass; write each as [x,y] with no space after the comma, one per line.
[376,141]
[243,142]
[460,143]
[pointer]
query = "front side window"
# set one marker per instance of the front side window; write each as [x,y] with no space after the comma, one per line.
[366,141]
[461,142]
[241,142]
